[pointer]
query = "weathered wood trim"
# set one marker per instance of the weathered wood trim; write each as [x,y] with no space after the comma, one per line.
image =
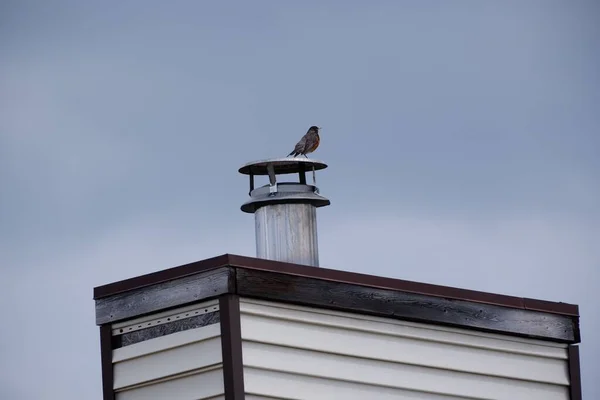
[106,362]
[198,321]
[574,373]
[164,295]
[231,343]
[402,285]
[402,305]
[161,276]
[333,275]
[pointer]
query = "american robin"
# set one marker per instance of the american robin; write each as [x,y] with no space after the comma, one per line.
[308,143]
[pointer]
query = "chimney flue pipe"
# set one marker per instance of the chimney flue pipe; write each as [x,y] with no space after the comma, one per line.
[285,212]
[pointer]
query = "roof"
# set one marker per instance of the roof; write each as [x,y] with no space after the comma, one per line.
[341,290]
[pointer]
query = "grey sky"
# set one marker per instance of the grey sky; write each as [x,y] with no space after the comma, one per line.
[462,139]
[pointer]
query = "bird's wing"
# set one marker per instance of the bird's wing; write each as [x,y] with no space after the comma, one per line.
[309,142]
[300,145]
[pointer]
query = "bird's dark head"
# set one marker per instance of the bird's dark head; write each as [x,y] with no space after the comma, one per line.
[314,128]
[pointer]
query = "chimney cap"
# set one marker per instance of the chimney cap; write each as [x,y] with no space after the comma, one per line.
[285,165]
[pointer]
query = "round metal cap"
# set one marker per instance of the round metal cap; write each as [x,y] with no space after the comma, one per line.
[286,165]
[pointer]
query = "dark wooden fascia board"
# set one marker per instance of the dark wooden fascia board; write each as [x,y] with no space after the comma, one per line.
[231,347]
[575,390]
[402,285]
[106,362]
[165,294]
[349,297]
[550,306]
[419,301]
[160,276]
[336,276]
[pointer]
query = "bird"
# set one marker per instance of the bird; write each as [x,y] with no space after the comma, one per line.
[309,142]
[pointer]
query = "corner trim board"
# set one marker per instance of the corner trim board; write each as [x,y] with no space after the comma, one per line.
[574,373]
[106,361]
[231,346]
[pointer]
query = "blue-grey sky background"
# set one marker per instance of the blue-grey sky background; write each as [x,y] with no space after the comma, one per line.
[462,139]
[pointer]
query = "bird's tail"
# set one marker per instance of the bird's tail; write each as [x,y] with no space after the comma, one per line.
[292,153]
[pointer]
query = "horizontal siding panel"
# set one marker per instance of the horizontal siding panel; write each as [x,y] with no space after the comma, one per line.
[401,376]
[172,361]
[404,329]
[341,340]
[201,386]
[166,342]
[267,385]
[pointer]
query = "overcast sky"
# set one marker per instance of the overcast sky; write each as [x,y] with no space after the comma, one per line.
[462,139]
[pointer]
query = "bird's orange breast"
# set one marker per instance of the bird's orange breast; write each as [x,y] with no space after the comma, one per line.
[316,144]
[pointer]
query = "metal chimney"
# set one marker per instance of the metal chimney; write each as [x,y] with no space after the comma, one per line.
[285,212]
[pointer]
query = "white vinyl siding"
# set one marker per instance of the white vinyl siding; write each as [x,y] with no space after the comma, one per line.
[185,365]
[294,352]
[253,397]
[206,385]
